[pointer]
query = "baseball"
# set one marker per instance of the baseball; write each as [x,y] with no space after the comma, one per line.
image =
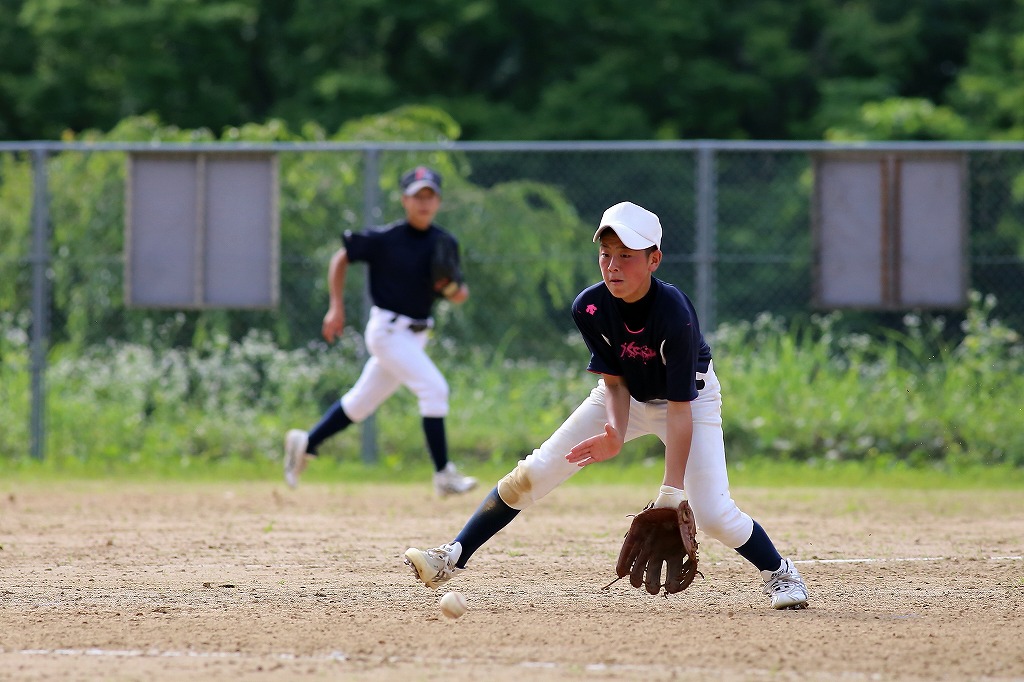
[453,604]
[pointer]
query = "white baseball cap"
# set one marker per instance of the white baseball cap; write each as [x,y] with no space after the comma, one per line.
[637,227]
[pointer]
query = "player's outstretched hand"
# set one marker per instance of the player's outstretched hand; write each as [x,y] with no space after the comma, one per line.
[597,448]
[334,324]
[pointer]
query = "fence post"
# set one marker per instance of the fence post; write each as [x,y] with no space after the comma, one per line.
[704,247]
[40,298]
[371,215]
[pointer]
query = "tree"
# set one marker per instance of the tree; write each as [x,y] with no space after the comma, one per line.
[96,63]
[899,118]
[518,69]
[321,196]
[989,91]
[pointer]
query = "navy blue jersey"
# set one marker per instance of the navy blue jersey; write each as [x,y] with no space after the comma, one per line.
[660,359]
[399,257]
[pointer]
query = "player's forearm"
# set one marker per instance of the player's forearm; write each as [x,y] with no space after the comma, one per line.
[678,436]
[617,405]
[336,272]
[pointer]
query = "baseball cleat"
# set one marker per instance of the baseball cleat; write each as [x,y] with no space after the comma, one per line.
[434,567]
[295,444]
[449,481]
[785,587]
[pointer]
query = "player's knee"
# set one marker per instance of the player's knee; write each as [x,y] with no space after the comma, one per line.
[516,488]
[434,405]
[355,410]
[433,401]
[434,409]
[729,526]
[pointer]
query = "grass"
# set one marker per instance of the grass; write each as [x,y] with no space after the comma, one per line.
[815,404]
[757,472]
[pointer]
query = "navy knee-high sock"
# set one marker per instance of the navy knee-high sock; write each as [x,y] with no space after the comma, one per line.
[760,551]
[333,421]
[433,429]
[491,516]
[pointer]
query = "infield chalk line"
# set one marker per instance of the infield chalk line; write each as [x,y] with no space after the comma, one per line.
[340,657]
[157,653]
[899,559]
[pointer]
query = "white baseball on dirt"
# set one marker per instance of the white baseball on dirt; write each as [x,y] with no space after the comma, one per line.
[453,605]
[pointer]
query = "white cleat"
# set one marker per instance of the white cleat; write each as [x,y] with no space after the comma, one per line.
[449,481]
[434,567]
[785,587]
[295,457]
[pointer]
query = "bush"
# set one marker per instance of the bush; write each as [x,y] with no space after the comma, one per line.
[793,392]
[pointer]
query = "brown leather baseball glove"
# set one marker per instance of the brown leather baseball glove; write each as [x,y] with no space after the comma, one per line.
[660,538]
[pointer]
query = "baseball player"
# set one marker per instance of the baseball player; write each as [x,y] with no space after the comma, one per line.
[404,260]
[656,377]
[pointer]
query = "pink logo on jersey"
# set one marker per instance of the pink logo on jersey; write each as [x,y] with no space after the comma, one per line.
[632,351]
[591,309]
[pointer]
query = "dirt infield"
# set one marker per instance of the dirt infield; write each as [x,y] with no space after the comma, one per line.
[254,581]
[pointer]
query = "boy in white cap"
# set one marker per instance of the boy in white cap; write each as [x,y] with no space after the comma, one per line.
[656,378]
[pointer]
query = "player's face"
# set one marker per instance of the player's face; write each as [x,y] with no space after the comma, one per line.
[421,207]
[626,272]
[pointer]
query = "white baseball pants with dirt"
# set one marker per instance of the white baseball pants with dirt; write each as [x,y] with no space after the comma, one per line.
[397,358]
[706,480]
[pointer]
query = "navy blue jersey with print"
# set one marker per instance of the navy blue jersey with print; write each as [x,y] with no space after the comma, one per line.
[659,359]
[399,257]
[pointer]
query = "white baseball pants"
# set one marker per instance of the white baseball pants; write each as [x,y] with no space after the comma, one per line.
[706,480]
[397,358]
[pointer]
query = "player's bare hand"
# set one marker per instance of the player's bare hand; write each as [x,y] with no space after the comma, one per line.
[334,324]
[460,295]
[597,448]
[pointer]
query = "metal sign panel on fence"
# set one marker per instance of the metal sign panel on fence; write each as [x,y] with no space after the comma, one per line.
[848,227]
[933,232]
[201,230]
[890,230]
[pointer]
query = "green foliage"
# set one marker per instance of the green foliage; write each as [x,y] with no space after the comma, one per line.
[321,196]
[122,402]
[518,69]
[811,393]
[762,221]
[904,399]
[990,89]
[96,63]
[522,247]
[903,119]
[15,231]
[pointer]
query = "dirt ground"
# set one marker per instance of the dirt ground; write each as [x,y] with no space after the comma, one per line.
[254,581]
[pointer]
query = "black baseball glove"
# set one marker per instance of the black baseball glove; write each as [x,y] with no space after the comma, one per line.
[660,538]
[445,272]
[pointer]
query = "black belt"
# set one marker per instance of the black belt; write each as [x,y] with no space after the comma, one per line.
[416,326]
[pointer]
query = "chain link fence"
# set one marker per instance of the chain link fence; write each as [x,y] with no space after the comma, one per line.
[737,220]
